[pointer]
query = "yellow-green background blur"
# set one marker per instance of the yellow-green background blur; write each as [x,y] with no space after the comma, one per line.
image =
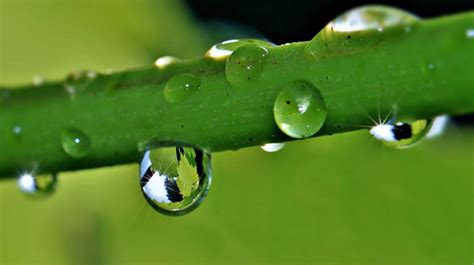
[342,199]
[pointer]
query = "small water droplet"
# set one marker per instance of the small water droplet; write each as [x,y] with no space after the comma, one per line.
[17,130]
[359,21]
[223,49]
[165,61]
[175,180]
[431,66]
[75,142]
[245,64]
[401,134]
[38,80]
[470,33]
[77,81]
[37,185]
[180,87]
[299,109]
[272,147]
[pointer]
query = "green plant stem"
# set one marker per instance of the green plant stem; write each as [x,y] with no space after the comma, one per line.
[425,72]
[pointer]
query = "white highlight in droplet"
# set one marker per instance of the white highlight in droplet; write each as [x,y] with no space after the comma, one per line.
[164,61]
[470,33]
[438,126]
[272,147]
[26,183]
[218,53]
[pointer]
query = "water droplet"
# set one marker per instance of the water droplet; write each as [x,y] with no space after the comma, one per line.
[401,134]
[17,130]
[165,61]
[38,80]
[31,184]
[438,126]
[470,33]
[299,110]
[181,86]
[75,143]
[245,64]
[371,17]
[175,180]
[77,81]
[359,22]
[223,49]
[272,147]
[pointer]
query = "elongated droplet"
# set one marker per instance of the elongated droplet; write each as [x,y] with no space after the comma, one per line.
[401,133]
[223,49]
[272,147]
[180,87]
[175,180]
[75,142]
[165,61]
[245,65]
[40,185]
[360,28]
[299,109]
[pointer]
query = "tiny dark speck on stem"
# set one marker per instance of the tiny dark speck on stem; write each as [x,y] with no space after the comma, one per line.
[288,102]
[250,139]
[182,126]
[348,36]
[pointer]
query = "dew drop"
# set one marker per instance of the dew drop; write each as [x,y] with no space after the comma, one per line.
[371,17]
[245,64]
[175,180]
[299,109]
[180,87]
[470,33]
[401,133]
[16,129]
[359,22]
[165,61]
[223,49]
[38,80]
[75,142]
[37,185]
[272,147]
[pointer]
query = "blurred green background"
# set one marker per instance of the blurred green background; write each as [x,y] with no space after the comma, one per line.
[342,199]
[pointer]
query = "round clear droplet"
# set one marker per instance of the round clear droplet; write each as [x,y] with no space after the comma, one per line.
[75,142]
[299,109]
[180,87]
[401,133]
[245,65]
[223,49]
[272,147]
[175,180]
[37,185]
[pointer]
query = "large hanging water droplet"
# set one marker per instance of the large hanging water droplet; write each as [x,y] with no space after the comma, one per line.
[31,184]
[245,64]
[359,28]
[75,142]
[180,87]
[401,133]
[175,180]
[223,49]
[272,147]
[299,109]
